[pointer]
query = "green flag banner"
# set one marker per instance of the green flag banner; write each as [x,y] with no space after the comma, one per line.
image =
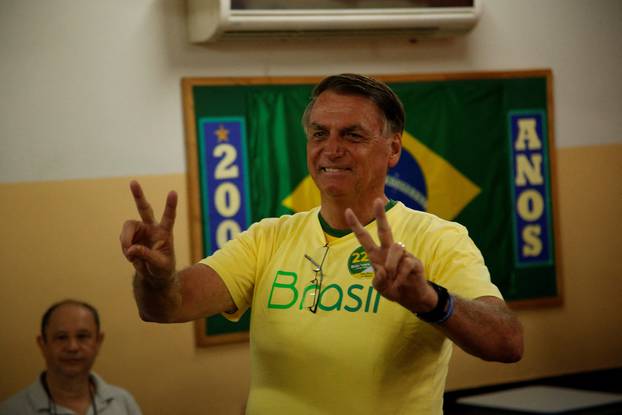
[477,149]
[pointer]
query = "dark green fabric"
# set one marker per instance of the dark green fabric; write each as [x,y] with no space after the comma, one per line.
[463,121]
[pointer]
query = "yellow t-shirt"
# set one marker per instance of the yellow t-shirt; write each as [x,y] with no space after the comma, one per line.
[360,353]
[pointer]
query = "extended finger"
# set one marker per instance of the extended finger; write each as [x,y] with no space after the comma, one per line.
[144,208]
[384,230]
[170,210]
[361,234]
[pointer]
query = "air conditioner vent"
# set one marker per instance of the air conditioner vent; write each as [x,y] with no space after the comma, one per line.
[210,20]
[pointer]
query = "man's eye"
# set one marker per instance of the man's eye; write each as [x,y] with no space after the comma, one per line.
[354,136]
[318,135]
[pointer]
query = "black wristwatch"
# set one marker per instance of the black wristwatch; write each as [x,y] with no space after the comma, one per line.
[444,307]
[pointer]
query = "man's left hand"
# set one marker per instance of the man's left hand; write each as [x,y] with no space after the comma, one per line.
[399,275]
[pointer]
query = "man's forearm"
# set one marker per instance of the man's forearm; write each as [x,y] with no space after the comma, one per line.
[157,300]
[485,328]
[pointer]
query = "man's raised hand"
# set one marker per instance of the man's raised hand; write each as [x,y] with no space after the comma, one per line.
[147,244]
[399,275]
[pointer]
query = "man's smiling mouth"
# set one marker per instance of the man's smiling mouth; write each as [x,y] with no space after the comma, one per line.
[333,169]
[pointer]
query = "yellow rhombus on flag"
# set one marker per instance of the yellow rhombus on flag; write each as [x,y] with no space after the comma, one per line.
[448,190]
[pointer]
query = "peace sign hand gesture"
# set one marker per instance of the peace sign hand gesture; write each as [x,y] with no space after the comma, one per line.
[147,244]
[399,275]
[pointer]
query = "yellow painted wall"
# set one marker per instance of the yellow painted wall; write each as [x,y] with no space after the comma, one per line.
[60,239]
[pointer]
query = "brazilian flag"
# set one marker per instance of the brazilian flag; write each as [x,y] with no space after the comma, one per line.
[475,151]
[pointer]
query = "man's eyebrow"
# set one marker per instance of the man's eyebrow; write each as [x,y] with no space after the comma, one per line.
[353,127]
[317,126]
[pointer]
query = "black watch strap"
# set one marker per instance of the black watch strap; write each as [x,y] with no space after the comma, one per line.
[444,307]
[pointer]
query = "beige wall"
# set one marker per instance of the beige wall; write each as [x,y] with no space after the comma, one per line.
[61,240]
[91,98]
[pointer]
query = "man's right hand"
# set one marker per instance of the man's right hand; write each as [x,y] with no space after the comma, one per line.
[147,244]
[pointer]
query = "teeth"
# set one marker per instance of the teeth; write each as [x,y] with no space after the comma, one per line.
[331,169]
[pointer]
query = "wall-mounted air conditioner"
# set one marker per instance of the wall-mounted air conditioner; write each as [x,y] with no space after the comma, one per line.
[209,20]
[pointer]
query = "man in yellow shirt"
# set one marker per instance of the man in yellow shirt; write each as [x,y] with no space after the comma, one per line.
[354,303]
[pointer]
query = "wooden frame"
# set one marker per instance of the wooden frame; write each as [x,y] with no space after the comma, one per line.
[193,180]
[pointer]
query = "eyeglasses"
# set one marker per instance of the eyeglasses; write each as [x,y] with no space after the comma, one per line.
[312,300]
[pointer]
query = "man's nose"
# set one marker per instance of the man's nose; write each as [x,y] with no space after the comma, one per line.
[333,145]
[73,343]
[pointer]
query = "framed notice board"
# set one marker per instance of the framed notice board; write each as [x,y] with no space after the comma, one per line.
[478,149]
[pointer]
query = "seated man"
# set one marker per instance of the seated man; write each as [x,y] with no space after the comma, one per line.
[69,341]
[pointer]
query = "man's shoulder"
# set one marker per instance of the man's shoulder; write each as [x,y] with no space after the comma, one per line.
[109,393]
[106,389]
[23,402]
[15,404]
[422,220]
[288,220]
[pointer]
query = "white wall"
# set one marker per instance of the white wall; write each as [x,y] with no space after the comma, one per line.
[100,80]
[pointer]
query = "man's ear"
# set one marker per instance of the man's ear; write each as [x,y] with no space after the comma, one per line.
[100,338]
[396,149]
[41,342]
